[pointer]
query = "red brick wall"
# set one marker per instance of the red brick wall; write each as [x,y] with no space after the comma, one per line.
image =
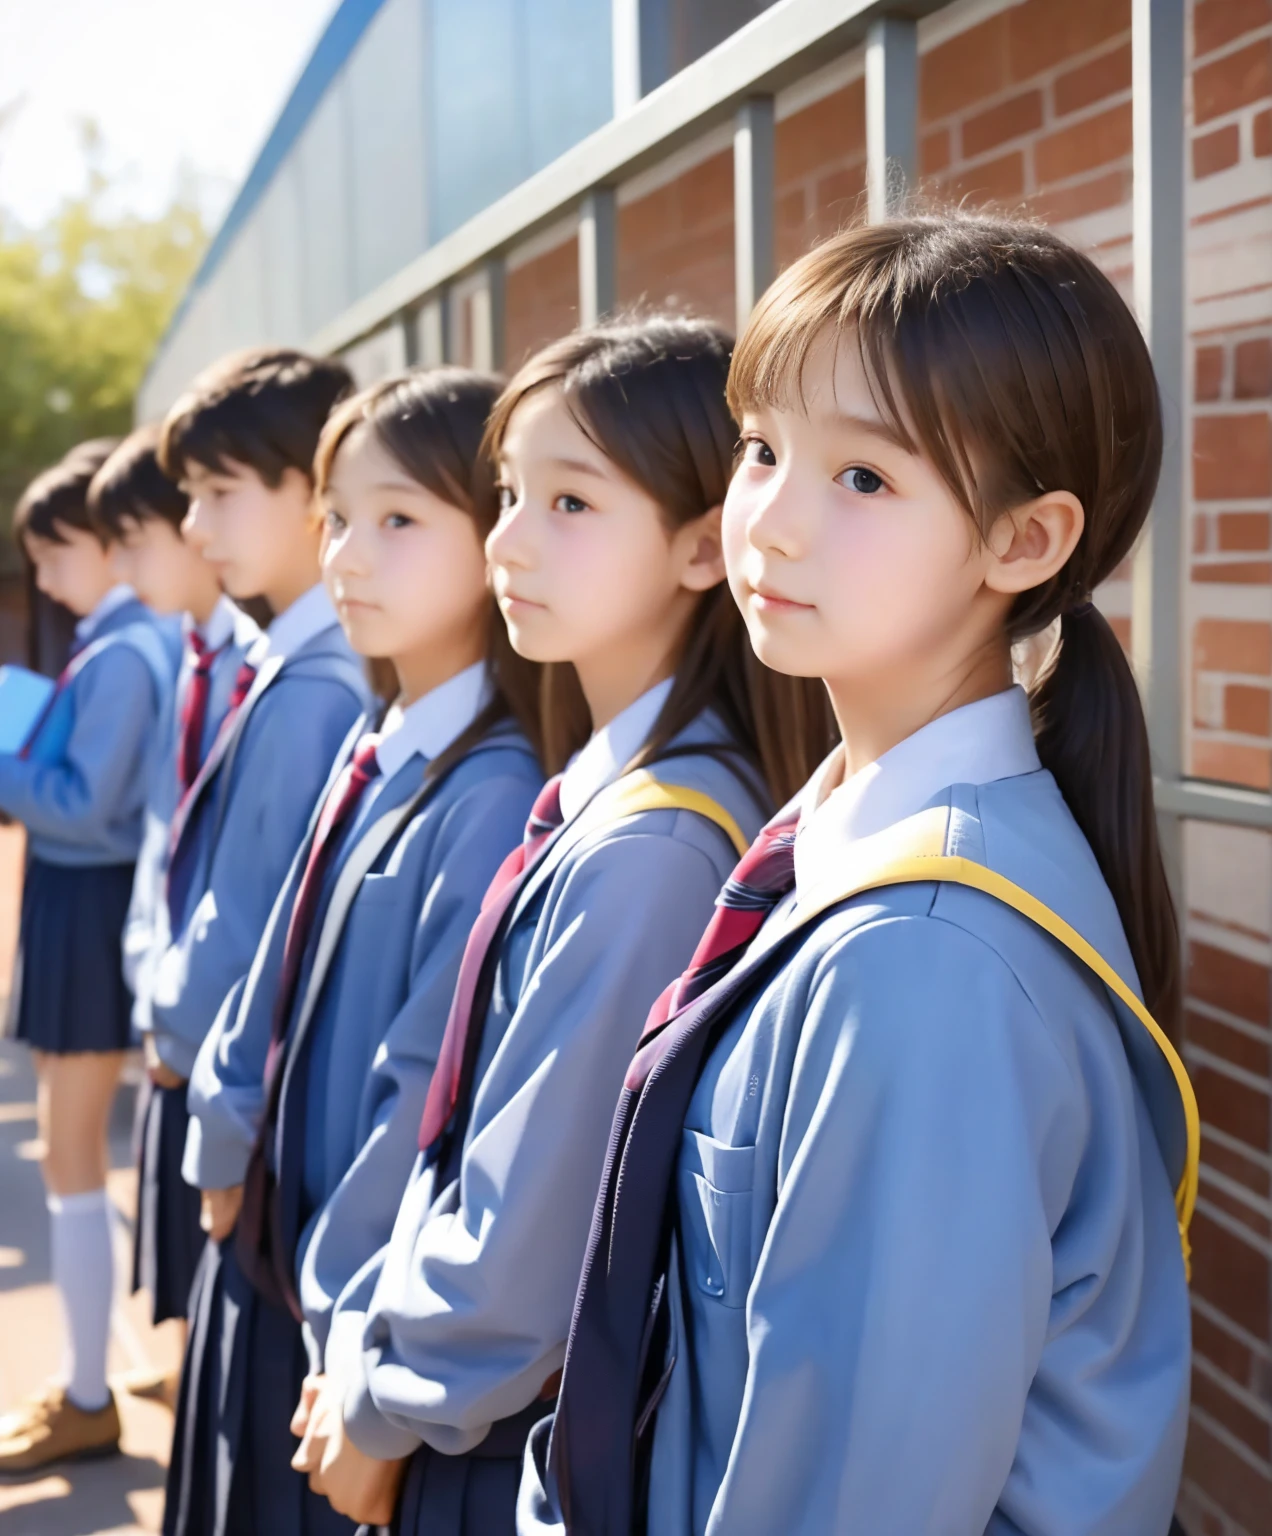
[675,244]
[542,299]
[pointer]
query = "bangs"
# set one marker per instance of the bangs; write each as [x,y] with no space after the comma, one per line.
[431,423]
[970,331]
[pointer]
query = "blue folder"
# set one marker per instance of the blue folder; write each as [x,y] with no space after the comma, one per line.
[24,696]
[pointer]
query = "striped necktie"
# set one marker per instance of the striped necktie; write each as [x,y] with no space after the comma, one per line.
[444,1089]
[179,845]
[339,806]
[619,1312]
[763,875]
[194,712]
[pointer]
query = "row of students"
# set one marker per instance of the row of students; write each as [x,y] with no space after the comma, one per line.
[78,785]
[903,1117]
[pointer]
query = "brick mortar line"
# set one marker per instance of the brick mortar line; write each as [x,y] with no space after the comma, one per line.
[1206,1506]
[1235,1191]
[1234,1145]
[1235,1228]
[1205,1058]
[1226,50]
[1225,1437]
[1220,1320]
[1233,1021]
[1243,1395]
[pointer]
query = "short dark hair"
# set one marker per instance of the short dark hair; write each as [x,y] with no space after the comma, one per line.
[263,408]
[57,498]
[131,486]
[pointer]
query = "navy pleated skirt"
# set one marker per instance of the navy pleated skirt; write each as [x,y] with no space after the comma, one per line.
[230,1472]
[69,993]
[167,1240]
[471,1495]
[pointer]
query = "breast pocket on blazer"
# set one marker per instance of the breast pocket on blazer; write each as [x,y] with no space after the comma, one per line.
[715,1206]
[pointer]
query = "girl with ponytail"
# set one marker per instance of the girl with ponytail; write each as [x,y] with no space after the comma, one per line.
[892,1235]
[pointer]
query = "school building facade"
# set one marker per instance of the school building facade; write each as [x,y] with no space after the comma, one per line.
[464,179]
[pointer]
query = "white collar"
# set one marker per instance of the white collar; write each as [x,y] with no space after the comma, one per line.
[88,626]
[610,750]
[220,627]
[428,726]
[976,744]
[308,616]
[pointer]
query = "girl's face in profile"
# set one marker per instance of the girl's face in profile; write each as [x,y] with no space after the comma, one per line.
[405,569]
[848,554]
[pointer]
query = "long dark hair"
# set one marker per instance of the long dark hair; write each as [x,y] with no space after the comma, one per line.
[650,393]
[1011,362]
[431,422]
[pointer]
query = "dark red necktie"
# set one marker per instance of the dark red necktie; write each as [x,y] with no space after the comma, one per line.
[443,1090]
[194,712]
[175,891]
[338,807]
[763,875]
[619,1312]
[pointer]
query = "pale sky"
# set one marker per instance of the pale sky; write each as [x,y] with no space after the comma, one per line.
[167,81]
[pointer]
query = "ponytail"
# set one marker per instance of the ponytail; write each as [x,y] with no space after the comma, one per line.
[1090,732]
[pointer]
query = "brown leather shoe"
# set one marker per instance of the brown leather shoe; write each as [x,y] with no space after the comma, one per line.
[51,1428]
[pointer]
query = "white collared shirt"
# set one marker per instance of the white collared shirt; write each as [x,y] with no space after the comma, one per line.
[219,629]
[88,626]
[976,744]
[610,750]
[308,616]
[432,722]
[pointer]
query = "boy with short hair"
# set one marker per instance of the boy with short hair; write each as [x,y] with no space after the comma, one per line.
[240,443]
[140,510]
[77,783]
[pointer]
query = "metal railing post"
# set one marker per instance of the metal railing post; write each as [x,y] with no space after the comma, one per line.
[892,110]
[753,259]
[1157,108]
[598,255]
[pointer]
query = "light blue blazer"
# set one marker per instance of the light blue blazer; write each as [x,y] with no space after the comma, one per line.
[258,794]
[146,931]
[81,794]
[464,1316]
[384,956]
[927,1275]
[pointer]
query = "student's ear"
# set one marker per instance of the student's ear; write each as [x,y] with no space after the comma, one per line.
[700,547]
[1030,544]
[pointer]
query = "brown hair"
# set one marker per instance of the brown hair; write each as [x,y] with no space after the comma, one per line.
[1010,362]
[649,393]
[58,497]
[262,408]
[130,485]
[431,422]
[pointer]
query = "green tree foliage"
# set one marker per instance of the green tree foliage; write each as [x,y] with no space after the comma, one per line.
[83,303]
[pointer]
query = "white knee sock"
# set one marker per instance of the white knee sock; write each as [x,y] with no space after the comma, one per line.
[84,1274]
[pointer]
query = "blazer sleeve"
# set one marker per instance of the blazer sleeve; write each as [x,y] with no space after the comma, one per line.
[100,779]
[357,1218]
[472,1307]
[292,739]
[226,1096]
[903,1291]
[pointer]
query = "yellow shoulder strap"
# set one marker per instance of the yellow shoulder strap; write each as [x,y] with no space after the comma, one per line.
[641,791]
[917,855]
